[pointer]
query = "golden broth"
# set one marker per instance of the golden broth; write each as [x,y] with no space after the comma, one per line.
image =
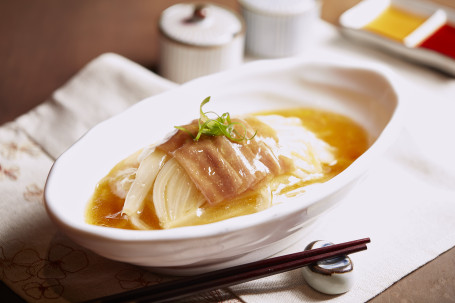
[349,139]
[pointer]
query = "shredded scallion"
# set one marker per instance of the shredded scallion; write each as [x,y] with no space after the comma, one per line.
[217,126]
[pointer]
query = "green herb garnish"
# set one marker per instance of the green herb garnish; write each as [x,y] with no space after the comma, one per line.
[218,126]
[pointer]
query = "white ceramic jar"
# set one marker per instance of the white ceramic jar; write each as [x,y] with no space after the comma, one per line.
[199,39]
[278,28]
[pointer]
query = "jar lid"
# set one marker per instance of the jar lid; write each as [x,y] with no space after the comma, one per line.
[281,7]
[200,24]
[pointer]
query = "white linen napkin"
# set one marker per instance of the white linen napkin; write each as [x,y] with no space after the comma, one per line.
[405,203]
[105,87]
[36,261]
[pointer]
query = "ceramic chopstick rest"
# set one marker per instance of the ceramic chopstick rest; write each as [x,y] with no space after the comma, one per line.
[278,28]
[332,276]
[199,39]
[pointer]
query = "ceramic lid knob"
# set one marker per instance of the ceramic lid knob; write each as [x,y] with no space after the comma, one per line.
[200,24]
[332,276]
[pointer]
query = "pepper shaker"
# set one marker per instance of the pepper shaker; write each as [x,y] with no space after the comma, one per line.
[199,39]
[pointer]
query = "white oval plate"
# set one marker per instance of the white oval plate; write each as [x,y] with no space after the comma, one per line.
[367,95]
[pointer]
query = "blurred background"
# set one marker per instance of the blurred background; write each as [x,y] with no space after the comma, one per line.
[44,43]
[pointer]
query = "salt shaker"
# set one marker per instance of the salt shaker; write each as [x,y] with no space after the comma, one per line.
[278,28]
[199,39]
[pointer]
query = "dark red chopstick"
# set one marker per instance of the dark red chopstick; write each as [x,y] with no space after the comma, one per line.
[187,286]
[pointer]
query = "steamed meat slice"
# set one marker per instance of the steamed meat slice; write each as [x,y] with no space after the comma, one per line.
[222,169]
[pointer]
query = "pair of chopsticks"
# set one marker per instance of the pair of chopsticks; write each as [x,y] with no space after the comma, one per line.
[187,286]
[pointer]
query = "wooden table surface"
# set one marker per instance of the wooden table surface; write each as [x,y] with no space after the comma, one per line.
[44,43]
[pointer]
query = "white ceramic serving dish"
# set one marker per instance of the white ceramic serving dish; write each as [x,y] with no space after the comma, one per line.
[367,95]
[353,20]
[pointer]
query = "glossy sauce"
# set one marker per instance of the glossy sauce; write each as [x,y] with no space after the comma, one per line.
[442,41]
[395,23]
[349,139]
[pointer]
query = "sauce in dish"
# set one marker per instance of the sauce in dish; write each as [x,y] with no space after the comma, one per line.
[442,41]
[242,166]
[395,23]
